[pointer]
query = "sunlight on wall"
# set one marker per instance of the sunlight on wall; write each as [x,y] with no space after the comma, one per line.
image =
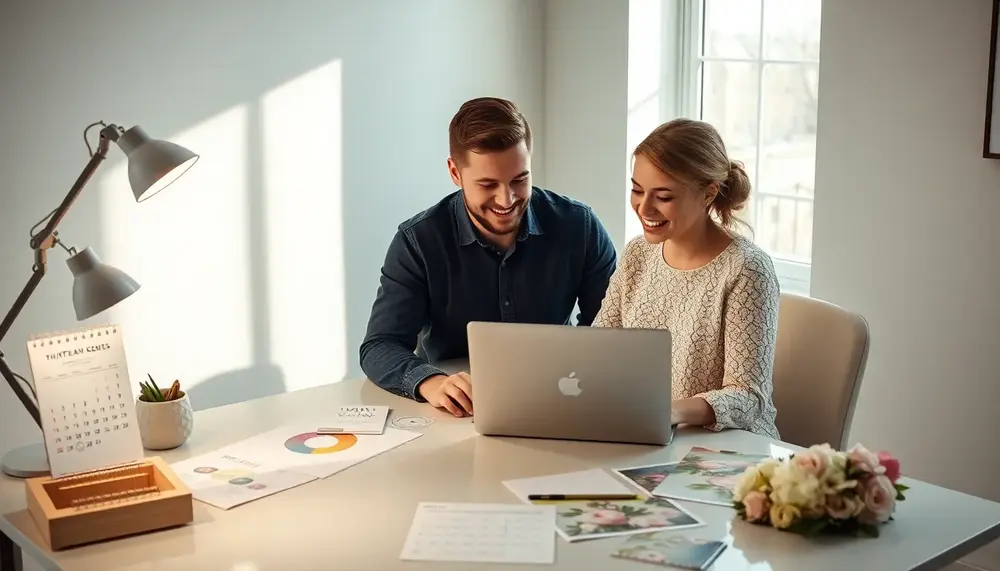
[302,173]
[187,247]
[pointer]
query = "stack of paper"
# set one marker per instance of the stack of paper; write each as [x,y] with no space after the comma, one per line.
[283,458]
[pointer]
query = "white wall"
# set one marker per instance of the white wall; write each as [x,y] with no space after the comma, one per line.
[586,95]
[905,230]
[322,124]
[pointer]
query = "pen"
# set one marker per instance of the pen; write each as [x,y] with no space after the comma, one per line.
[581,497]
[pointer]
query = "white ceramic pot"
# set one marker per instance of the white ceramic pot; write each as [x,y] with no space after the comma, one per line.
[164,425]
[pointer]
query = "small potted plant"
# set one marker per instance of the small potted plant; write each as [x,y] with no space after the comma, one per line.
[165,417]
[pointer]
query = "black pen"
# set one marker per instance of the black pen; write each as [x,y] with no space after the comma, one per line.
[582,497]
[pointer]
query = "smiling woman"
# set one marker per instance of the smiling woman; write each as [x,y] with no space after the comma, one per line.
[688,272]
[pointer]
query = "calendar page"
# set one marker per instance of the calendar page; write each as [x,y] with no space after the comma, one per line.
[481,533]
[85,400]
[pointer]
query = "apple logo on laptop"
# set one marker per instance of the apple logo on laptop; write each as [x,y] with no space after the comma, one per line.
[570,386]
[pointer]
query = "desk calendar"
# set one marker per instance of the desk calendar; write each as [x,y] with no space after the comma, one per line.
[85,400]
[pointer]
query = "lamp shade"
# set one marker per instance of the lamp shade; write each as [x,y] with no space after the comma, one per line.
[96,285]
[153,164]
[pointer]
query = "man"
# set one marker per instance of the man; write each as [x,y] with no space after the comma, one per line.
[498,249]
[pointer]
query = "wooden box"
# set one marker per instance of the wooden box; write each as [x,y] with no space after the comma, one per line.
[109,503]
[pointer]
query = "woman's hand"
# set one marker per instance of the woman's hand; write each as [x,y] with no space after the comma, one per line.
[694,411]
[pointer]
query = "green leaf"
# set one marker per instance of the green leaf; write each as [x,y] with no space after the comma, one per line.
[869,530]
[808,526]
[156,389]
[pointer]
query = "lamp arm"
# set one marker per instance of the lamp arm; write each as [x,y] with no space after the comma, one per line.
[40,243]
[10,376]
[108,133]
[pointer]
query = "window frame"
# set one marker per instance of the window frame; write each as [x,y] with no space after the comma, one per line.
[680,89]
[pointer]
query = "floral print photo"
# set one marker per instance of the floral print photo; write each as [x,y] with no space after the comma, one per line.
[707,476]
[576,521]
[647,477]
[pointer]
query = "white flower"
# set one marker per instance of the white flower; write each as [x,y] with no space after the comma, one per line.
[767,466]
[794,486]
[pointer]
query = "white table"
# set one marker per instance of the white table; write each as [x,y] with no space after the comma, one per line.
[357,520]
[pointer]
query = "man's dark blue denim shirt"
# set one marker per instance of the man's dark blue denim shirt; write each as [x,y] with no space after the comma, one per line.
[439,274]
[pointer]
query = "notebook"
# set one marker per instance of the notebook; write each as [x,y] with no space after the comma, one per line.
[357,419]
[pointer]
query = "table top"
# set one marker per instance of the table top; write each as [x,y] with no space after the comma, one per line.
[358,519]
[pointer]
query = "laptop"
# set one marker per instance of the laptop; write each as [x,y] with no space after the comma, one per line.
[571,383]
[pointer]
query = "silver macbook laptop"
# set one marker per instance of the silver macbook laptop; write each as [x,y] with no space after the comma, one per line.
[571,383]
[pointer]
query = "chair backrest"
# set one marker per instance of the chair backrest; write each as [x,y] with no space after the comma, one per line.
[822,351]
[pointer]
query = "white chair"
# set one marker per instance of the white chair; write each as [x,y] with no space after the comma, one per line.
[822,351]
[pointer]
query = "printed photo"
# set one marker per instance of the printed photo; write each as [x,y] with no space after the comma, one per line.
[707,476]
[581,520]
[647,477]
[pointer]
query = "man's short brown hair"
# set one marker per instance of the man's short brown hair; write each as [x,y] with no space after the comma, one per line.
[484,125]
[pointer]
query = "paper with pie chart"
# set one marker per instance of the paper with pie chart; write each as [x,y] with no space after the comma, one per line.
[226,481]
[297,447]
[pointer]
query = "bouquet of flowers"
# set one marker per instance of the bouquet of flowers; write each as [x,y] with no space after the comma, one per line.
[821,490]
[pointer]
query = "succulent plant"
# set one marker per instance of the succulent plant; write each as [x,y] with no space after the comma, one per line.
[152,393]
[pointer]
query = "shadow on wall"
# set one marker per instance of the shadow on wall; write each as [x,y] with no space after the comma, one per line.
[233,387]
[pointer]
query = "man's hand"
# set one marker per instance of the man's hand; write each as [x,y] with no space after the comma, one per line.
[453,393]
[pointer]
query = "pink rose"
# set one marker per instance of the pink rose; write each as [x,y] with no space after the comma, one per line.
[756,505]
[863,459]
[891,465]
[811,463]
[880,498]
[604,517]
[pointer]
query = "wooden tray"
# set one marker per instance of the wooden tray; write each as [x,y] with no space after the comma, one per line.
[108,504]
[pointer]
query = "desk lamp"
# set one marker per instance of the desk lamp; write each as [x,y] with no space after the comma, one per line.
[152,166]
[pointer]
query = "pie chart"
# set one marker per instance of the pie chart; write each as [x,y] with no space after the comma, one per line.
[312,443]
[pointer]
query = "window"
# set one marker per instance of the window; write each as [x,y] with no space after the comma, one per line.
[751,68]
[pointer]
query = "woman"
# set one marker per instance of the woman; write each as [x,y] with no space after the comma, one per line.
[715,290]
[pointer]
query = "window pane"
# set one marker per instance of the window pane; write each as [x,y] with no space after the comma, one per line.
[732,28]
[788,149]
[792,29]
[788,157]
[729,102]
[644,49]
[784,227]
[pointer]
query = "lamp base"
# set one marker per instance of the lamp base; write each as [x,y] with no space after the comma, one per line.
[27,462]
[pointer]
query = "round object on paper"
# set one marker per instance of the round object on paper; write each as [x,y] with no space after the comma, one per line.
[412,422]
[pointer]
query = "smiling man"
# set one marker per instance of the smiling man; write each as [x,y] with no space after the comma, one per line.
[498,249]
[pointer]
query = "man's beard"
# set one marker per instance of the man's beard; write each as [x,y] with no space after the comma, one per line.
[485,222]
